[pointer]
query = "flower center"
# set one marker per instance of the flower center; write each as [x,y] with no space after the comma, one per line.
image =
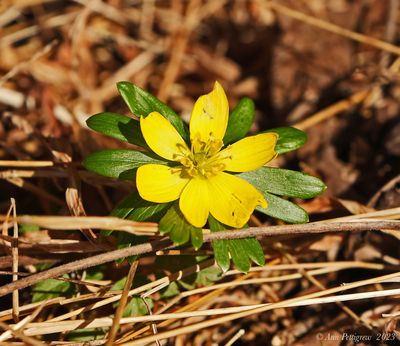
[203,160]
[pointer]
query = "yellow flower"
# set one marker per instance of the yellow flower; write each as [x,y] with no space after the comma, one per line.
[198,178]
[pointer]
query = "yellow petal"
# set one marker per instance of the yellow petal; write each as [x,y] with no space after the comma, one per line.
[160,184]
[194,202]
[250,153]
[162,137]
[233,199]
[210,115]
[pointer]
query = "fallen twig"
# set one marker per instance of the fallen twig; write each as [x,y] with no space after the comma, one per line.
[265,231]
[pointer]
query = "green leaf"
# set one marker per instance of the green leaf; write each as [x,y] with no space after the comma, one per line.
[51,288]
[137,307]
[283,209]
[125,239]
[179,235]
[208,276]
[119,284]
[142,103]
[238,254]
[170,291]
[289,139]
[284,182]
[125,207]
[148,211]
[117,126]
[176,263]
[118,163]
[179,230]
[253,250]
[240,121]
[27,228]
[88,334]
[139,280]
[242,251]
[135,208]
[196,236]
[95,273]
[43,266]
[221,254]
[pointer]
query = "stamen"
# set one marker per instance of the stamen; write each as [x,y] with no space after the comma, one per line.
[182,152]
[203,159]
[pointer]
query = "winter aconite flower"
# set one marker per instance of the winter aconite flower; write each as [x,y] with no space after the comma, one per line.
[199,175]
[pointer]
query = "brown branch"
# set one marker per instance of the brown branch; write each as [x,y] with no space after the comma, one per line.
[85,263]
[265,231]
[310,228]
[122,303]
